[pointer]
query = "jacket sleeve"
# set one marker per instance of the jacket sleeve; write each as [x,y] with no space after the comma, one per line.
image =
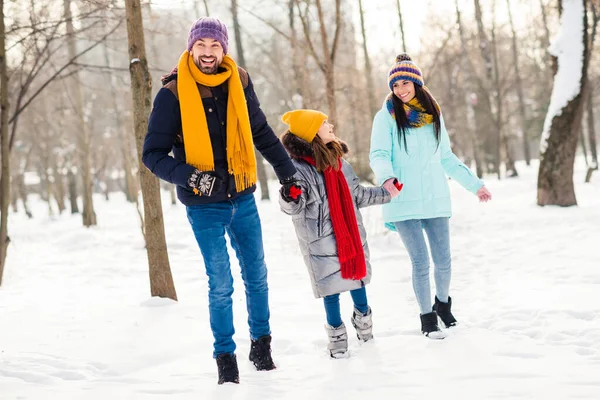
[380,155]
[265,139]
[455,168]
[365,196]
[292,208]
[163,126]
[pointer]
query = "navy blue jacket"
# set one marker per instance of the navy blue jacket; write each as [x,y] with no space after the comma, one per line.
[165,134]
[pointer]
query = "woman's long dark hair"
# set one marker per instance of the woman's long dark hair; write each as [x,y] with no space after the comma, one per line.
[428,103]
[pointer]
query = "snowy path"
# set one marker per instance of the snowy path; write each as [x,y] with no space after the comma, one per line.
[76,320]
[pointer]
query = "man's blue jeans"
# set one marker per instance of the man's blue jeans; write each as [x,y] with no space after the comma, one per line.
[438,233]
[239,218]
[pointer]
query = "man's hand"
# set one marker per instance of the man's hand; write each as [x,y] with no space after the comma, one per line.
[205,183]
[290,191]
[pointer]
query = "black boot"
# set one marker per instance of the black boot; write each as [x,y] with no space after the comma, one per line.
[429,326]
[260,354]
[228,368]
[444,312]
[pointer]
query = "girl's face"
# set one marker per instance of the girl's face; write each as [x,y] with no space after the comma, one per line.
[404,90]
[326,132]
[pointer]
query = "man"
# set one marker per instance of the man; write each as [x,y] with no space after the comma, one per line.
[208,114]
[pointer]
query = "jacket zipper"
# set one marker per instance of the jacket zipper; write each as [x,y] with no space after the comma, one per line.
[319,218]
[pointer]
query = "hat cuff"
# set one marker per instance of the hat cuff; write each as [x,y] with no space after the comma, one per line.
[209,33]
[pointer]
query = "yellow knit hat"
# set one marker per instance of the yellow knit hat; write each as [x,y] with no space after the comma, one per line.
[304,123]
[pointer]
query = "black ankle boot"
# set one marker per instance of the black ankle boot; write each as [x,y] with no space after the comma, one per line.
[429,326]
[260,353]
[444,311]
[228,368]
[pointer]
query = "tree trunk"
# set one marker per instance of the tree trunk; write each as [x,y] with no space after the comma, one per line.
[4,142]
[301,89]
[173,195]
[583,146]
[329,58]
[260,164]
[73,192]
[591,134]
[368,69]
[84,138]
[487,56]
[549,59]
[470,100]
[59,189]
[401,25]
[519,84]
[161,280]
[561,128]
[131,187]
[328,62]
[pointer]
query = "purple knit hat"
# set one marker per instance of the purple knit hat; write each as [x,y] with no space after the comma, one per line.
[208,27]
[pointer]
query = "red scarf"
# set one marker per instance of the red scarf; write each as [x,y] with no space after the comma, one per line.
[343,219]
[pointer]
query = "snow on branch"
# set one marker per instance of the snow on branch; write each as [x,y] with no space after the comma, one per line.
[568,47]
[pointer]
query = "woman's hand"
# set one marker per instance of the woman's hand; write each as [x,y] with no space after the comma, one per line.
[484,195]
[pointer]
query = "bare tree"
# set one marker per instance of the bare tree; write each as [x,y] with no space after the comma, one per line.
[260,163]
[474,133]
[368,68]
[519,87]
[5,179]
[84,139]
[563,121]
[401,25]
[161,279]
[326,64]
[591,125]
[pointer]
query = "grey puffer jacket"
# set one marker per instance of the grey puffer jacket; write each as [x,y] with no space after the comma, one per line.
[313,223]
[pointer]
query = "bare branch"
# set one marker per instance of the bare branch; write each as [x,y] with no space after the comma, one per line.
[268,23]
[307,36]
[57,73]
[338,25]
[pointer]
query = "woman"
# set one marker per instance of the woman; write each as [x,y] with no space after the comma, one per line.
[409,142]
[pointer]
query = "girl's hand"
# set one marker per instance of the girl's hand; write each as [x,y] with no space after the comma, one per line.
[391,187]
[484,195]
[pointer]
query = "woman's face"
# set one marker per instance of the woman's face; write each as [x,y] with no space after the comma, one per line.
[404,90]
[326,132]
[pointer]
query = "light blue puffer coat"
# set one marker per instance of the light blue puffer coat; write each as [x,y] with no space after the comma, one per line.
[422,169]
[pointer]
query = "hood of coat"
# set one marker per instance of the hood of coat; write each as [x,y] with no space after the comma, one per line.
[298,148]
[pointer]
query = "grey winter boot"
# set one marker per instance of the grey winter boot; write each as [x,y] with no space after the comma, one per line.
[338,341]
[363,323]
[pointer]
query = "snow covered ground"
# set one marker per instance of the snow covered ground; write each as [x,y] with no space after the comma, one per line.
[77,322]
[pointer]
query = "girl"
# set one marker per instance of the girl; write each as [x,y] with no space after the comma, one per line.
[324,202]
[409,142]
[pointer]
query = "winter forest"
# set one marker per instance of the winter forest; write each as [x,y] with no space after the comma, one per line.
[103,287]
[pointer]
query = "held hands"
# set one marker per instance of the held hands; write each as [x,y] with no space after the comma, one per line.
[290,191]
[205,183]
[393,187]
[484,195]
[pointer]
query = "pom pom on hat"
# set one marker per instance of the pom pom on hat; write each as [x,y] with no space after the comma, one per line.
[304,123]
[405,70]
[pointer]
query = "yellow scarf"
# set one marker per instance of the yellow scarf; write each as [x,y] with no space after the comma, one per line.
[196,139]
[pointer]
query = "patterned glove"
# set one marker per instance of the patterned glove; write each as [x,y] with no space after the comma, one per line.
[290,191]
[205,183]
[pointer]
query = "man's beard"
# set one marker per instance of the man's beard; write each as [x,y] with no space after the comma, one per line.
[207,70]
